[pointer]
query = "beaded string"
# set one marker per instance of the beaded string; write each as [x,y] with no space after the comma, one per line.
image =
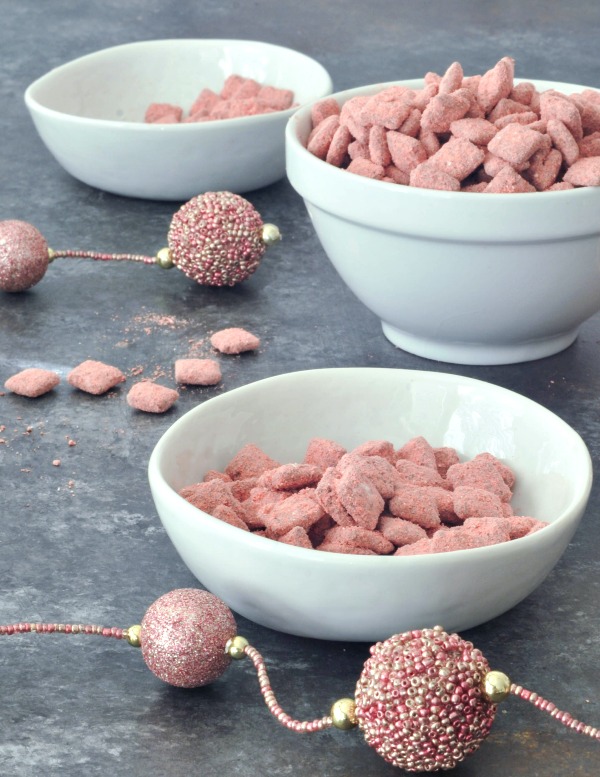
[102,257]
[299,726]
[547,706]
[63,628]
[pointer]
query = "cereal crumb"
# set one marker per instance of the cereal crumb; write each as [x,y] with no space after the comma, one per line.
[56,463]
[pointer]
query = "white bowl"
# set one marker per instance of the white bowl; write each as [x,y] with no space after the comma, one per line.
[334,596]
[89,113]
[454,276]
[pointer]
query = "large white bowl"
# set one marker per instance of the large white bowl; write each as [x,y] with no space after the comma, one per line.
[458,277]
[333,596]
[89,113]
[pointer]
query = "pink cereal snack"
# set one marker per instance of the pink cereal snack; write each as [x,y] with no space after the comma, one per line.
[238,97]
[234,340]
[32,382]
[95,377]
[151,397]
[373,499]
[482,133]
[197,372]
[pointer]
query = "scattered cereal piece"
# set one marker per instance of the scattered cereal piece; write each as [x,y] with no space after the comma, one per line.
[95,377]
[197,372]
[234,340]
[150,397]
[32,382]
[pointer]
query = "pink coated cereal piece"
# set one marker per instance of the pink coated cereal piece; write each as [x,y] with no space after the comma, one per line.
[327,495]
[360,499]
[234,340]
[445,457]
[507,107]
[337,547]
[442,110]
[297,537]
[423,96]
[561,186]
[297,510]
[319,529]
[221,110]
[406,152]
[430,141]
[290,477]
[250,461]
[197,372]
[358,150]
[584,172]
[241,488]
[248,88]
[590,145]
[495,529]
[323,453]
[365,168]
[472,502]
[554,105]
[157,112]
[358,537]
[248,106]
[324,108]
[378,147]
[590,112]
[516,143]
[352,108]
[229,515]
[458,158]
[508,181]
[479,474]
[478,131]
[320,141]
[338,148]
[382,474]
[208,495]
[278,99]
[429,176]
[419,451]
[358,131]
[213,474]
[206,101]
[417,505]
[397,176]
[563,140]
[231,86]
[260,504]
[382,448]
[399,531]
[506,473]
[495,84]
[527,118]
[539,126]
[432,78]
[444,500]
[452,79]
[32,382]
[521,525]
[167,119]
[474,187]
[95,377]
[412,125]
[523,92]
[389,108]
[417,548]
[150,397]
[418,475]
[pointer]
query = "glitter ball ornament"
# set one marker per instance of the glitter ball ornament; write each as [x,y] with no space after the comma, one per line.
[216,239]
[183,637]
[420,701]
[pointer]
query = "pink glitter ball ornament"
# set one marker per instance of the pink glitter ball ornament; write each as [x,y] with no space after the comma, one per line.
[183,637]
[420,701]
[216,239]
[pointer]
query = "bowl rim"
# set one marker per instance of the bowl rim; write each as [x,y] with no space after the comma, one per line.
[554,528]
[35,106]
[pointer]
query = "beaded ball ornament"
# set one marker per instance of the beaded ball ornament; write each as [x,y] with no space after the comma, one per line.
[216,239]
[425,699]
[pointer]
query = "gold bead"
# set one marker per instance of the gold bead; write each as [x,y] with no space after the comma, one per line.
[164,259]
[235,647]
[343,714]
[51,255]
[270,234]
[133,635]
[496,686]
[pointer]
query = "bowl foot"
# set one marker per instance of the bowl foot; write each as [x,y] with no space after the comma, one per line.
[458,352]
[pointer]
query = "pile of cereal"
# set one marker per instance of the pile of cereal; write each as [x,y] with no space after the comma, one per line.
[480,133]
[239,97]
[372,500]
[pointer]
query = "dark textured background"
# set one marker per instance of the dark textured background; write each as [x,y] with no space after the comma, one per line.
[94,551]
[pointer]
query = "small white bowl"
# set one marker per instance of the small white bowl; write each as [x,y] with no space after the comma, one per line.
[334,596]
[454,276]
[90,115]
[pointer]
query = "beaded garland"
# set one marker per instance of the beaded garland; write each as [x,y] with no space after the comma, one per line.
[425,699]
[216,239]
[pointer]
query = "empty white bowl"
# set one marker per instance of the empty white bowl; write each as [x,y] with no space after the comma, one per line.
[454,276]
[334,596]
[90,115]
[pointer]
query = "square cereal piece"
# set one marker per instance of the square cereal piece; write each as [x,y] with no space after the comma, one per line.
[197,372]
[95,377]
[150,397]
[234,340]
[250,461]
[32,382]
